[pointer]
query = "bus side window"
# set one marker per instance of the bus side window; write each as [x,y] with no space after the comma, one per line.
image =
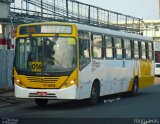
[84,49]
[143,46]
[127,47]
[150,50]
[118,47]
[109,47]
[97,46]
[136,50]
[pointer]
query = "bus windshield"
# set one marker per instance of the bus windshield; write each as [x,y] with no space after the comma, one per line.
[46,54]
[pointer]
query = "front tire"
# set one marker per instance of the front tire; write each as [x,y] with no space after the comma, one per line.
[41,102]
[94,96]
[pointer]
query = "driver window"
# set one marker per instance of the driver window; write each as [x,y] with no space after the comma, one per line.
[84,49]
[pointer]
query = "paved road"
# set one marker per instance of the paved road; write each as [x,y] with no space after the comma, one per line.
[146,104]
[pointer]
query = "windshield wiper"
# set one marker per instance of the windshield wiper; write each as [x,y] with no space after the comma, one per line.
[53,41]
[55,38]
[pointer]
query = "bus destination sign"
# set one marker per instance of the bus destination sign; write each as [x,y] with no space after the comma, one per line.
[45,29]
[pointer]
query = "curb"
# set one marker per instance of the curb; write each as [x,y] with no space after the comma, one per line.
[7,101]
[4,104]
[13,100]
[7,98]
[6,90]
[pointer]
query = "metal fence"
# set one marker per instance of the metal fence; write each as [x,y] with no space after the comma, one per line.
[72,11]
[6,65]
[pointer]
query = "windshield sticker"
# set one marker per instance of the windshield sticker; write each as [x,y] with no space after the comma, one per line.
[71,41]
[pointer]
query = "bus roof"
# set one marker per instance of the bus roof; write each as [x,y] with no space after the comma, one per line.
[88,28]
[112,32]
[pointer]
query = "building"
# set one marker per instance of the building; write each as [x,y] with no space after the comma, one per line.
[5,25]
[6,56]
[151,28]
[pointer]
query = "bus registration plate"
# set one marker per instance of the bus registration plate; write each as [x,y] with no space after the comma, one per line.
[42,93]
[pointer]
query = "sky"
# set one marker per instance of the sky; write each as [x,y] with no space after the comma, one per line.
[144,9]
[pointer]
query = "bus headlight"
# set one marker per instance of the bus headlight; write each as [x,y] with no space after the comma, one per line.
[19,83]
[72,82]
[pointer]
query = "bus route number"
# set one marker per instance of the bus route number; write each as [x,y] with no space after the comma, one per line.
[30,30]
[36,66]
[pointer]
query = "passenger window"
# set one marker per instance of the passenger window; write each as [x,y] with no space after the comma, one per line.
[109,47]
[118,47]
[127,47]
[136,50]
[150,51]
[97,46]
[143,45]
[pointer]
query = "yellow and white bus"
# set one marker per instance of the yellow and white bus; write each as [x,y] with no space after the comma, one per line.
[55,60]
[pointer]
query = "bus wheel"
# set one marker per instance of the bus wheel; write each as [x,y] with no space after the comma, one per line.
[95,91]
[135,87]
[41,102]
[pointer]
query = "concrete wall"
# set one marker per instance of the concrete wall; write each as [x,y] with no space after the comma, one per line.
[6,65]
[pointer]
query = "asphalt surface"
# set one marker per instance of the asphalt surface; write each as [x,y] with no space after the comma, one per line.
[145,105]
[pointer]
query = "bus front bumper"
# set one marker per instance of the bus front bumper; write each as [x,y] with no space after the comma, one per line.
[66,93]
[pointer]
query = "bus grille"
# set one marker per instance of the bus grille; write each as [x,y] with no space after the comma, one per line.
[42,79]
